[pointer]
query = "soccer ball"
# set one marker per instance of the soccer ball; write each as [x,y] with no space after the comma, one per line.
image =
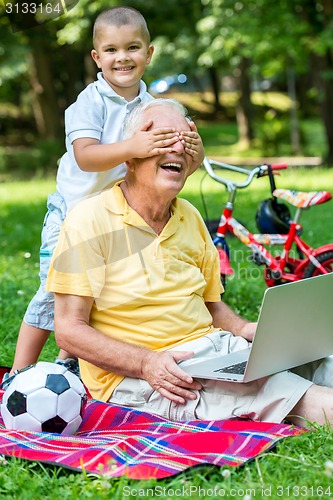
[45,397]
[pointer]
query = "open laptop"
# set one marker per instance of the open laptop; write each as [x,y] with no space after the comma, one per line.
[295,326]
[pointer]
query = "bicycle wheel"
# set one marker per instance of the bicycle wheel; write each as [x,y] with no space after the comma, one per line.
[326,259]
[224,281]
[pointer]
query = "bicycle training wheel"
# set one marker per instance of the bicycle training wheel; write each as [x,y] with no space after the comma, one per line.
[326,260]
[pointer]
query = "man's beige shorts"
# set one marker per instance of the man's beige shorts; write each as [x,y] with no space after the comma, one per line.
[268,399]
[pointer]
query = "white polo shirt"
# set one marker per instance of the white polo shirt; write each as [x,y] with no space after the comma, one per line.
[98,113]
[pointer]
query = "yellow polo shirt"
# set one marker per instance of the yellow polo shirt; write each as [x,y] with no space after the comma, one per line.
[150,290]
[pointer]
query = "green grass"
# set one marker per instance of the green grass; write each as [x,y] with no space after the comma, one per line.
[302,462]
[22,209]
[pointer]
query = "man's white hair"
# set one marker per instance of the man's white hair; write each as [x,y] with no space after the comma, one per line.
[135,118]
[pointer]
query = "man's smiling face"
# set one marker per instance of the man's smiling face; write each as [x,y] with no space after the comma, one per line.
[167,172]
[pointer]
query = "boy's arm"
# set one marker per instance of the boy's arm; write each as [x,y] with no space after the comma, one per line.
[92,156]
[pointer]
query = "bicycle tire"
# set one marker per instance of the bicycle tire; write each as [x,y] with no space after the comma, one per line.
[224,280]
[326,259]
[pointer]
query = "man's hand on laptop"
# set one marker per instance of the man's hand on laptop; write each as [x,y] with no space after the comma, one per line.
[161,371]
[248,331]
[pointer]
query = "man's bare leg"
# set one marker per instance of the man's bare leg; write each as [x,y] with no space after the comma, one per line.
[315,406]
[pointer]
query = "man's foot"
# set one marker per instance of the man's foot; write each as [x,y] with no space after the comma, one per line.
[71,364]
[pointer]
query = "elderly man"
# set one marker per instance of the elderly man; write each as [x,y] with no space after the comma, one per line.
[137,290]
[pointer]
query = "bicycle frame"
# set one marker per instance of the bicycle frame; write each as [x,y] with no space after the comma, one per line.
[284,267]
[256,242]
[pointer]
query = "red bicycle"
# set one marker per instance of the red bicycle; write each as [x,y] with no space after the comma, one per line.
[276,226]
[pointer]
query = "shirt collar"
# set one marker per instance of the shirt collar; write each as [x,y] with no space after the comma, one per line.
[116,203]
[105,89]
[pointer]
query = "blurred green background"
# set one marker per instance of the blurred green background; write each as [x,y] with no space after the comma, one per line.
[256,76]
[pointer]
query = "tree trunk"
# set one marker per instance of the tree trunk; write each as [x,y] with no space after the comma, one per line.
[327,107]
[72,76]
[324,66]
[244,112]
[216,87]
[45,104]
[91,69]
[294,125]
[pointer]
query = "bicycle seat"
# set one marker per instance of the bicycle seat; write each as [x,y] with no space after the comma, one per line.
[301,199]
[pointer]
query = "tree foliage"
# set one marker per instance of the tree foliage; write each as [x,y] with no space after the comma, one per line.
[43,68]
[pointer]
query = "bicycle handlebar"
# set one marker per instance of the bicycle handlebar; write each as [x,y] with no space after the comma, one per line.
[278,166]
[258,171]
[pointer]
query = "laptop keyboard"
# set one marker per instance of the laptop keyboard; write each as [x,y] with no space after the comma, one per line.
[238,368]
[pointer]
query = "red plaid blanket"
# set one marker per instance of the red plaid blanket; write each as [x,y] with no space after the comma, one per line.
[115,441]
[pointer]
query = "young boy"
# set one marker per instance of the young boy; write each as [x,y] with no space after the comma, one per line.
[96,153]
